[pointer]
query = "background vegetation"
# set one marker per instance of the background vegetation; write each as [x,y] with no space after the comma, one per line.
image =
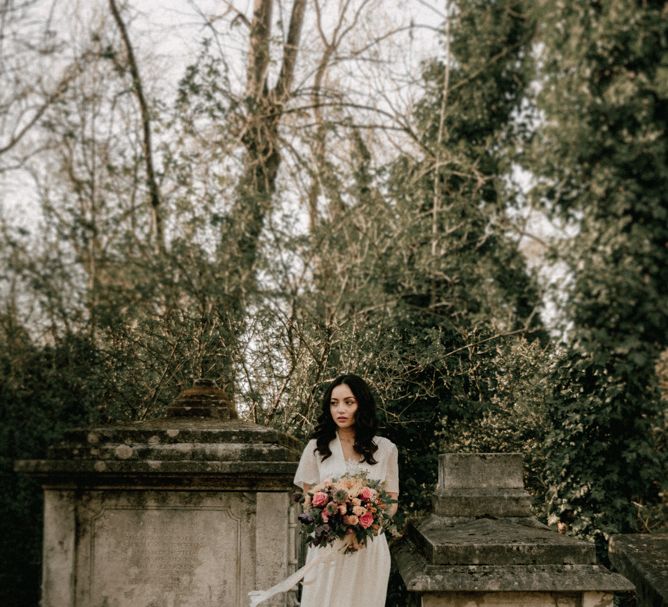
[484,237]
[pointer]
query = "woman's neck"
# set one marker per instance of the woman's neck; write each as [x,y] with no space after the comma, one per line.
[347,434]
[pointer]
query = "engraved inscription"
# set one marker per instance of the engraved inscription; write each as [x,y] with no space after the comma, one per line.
[164,556]
[168,559]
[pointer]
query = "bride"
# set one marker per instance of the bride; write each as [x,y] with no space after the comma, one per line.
[344,441]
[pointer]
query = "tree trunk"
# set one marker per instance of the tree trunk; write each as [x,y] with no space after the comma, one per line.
[257,185]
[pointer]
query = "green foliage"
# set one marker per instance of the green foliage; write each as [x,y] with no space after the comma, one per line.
[516,418]
[602,158]
[470,295]
[43,391]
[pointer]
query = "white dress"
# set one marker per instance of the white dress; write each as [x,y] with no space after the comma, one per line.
[359,578]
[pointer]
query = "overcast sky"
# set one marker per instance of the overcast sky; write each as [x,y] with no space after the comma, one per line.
[167,36]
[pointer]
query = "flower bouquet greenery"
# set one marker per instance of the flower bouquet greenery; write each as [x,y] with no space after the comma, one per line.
[351,508]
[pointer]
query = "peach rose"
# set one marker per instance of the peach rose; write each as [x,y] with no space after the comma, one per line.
[356,501]
[342,509]
[359,510]
[350,520]
[319,499]
[366,520]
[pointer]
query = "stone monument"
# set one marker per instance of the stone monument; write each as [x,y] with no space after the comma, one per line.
[192,510]
[643,558]
[481,547]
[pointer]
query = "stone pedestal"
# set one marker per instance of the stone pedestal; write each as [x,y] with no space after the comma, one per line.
[481,547]
[178,512]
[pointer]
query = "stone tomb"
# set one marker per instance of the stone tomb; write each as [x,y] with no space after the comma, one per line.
[178,512]
[482,548]
[643,558]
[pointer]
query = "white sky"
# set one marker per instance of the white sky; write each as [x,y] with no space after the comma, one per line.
[167,35]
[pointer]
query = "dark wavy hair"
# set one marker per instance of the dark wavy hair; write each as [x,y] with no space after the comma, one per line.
[366,423]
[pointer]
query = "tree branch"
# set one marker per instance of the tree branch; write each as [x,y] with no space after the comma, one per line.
[258,54]
[153,188]
[70,74]
[290,49]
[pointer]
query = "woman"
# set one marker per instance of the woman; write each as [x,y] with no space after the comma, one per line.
[343,442]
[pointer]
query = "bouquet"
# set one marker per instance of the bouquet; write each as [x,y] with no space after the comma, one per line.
[351,508]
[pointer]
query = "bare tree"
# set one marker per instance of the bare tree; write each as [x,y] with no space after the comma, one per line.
[264,105]
[155,199]
[33,75]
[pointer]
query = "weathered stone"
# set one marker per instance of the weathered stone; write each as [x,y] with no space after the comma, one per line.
[480,547]
[420,575]
[489,484]
[486,541]
[171,452]
[519,599]
[204,399]
[164,548]
[491,471]
[172,512]
[643,558]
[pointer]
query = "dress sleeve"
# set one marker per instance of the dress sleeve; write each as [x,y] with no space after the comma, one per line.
[307,471]
[392,470]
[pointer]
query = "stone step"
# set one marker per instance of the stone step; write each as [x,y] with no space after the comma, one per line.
[488,541]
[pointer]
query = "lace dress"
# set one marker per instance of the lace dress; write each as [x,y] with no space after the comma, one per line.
[359,578]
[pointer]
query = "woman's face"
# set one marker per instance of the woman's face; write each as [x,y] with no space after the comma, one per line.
[343,406]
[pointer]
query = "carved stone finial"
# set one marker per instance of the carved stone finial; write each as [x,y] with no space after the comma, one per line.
[204,399]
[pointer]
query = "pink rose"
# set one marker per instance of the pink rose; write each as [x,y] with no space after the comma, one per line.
[366,493]
[324,516]
[366,520]
[319,499]
[351,520]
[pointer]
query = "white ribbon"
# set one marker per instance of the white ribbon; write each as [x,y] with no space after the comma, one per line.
[259,596]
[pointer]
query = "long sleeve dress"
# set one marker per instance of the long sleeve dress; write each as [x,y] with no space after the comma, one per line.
[359,578]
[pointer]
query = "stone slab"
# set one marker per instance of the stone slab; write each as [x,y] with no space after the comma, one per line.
[128,450]
[177,440]
[423,577]
[487,541]
[59,549]
[234,475]
[643,558]
[205,453]
[166,549]
[518,599]
[176,430]
[480,470]
[474,504]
